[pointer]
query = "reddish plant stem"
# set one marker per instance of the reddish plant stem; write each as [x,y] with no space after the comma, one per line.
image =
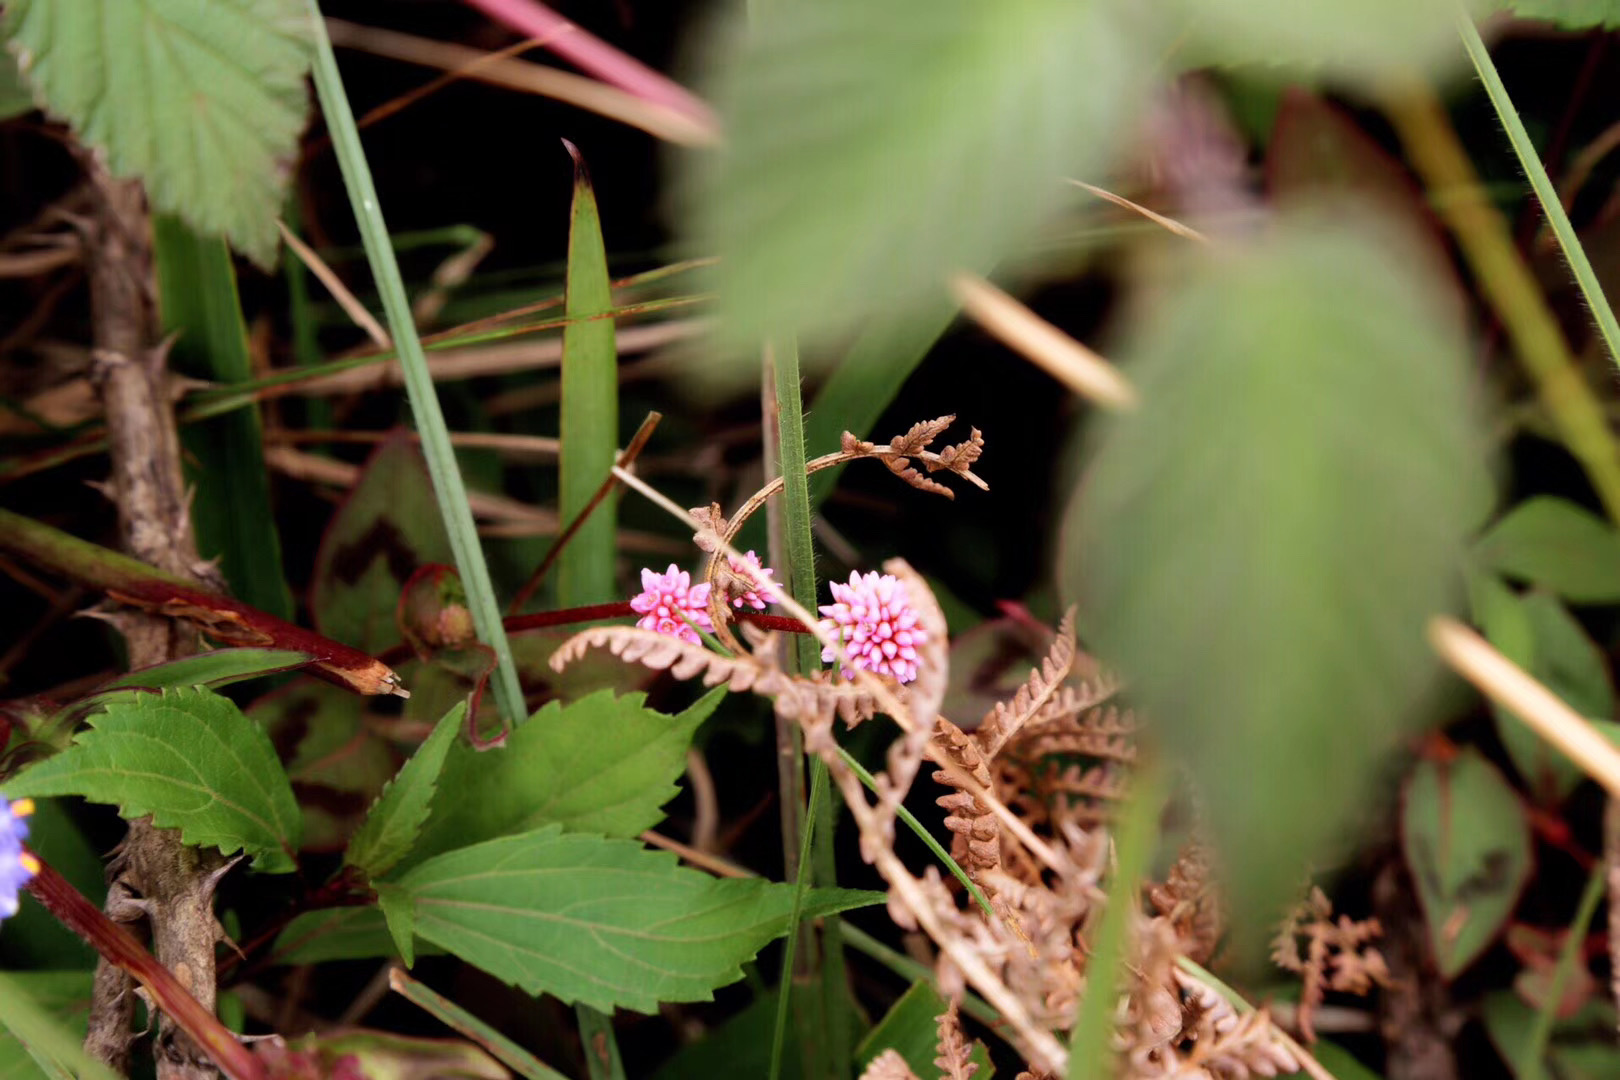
[120,948]
[591,612]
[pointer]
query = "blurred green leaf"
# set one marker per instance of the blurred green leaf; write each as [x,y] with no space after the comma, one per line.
[382,1055]
[224,456]
[1553,543]
[1259,545]
[203,101]
[15,96]
[1566,14]
[191,760]
[602,764]
[602,921]
[874,148]
[740,1046]
[590,406]
[33,937]
[1365,41]
[387,528]
[337,761]
[396,818]
[1468,846]
[1581,1047]
[1340,1062]
[911,1029]
[1539,634]
[41,1023]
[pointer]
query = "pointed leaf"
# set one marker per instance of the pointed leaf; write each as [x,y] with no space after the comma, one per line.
[203,101]
[601,921]
[400,917]
[1468,845]
[872,149]
[590,405]
[1259,545]
[1553,543]
[387,528]
[191,760]
[397,816]
[350,933]
[602,764]
[911,1029]
[220,667]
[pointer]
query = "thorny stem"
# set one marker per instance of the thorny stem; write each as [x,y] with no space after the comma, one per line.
[120,948]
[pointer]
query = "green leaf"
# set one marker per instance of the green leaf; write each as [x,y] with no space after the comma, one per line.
[1553,543]
[601,921]
[33,937]
[1468,845]
[400,918]
[191,760]
[1362,41]
[225,455]
[1259,545]
[590,405]
[602,764]
[387,528]
[874,148]
[41,1025]
[203,101]
[1539,634]
[220,667]
[911,1029]
[1566,14]
[740,1046]
[397,816]
[15,97]
[454,1016]
[1341,1063]
[1581,1046]
[350,933]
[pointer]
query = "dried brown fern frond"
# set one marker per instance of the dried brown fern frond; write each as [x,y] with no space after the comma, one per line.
[755,671]
[1189,904]
[1337,955]
[954,1048]
[888,1065]
[1224,1044]
[897,456]
[1107,733]
[1005,720]
[975,833]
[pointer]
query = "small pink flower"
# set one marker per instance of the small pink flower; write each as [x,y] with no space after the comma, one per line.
[666,597]
[761,595]
[878,626]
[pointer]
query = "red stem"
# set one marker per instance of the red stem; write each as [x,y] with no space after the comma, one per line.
[590,613]
[119,947]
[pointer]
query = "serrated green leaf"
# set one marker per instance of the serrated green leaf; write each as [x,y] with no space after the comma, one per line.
[589,420]
[397,816]
[1259,545]
[1566,14]
[600,921]
[400,917]
[191,760]
[1468,846]
[1539,634]
[1553,543]
[911,1029]
[871,149]
[202,99]
[351,933]
[601,764]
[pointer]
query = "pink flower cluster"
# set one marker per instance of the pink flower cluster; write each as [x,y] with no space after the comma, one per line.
[664,600]
[761,595]
[874,619]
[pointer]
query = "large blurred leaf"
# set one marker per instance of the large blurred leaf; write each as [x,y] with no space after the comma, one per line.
[15,97]
[1468,845]
[1566,14]
[1536,632]
[42,1018]
[601,921]
[1553,543]
[201,99]
[388,527]
[1259,545]
[338,762]
[1362,40]
[873,148]
[602,764]
[191,760]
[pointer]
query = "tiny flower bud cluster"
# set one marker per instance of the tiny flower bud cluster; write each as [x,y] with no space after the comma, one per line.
[16,865]
[664,600]
[874,619]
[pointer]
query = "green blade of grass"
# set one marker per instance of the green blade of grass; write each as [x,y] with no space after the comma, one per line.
[454,1016]
[1551,205]
[436,448]
[224,456]
[1531,1065]
[590,404]
[601,1047]
[818,793]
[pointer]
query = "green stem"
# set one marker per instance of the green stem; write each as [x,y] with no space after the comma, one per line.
[818,793]
[441,459]
[1531,1065]
[601,1047]
[909,969]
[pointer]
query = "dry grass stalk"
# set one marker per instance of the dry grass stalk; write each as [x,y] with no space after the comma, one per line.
[351,305]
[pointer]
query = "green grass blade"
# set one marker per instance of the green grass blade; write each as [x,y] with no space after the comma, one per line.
[818,793]
[441,458]
[1551,204]
[454,1016]
[224,456]
[590,404]
[904,966]
[1531,1065]
[601,1047]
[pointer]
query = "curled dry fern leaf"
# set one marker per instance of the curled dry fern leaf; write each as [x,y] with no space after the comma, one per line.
[1007,718]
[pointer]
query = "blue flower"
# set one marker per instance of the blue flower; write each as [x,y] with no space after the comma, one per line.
[16,865]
